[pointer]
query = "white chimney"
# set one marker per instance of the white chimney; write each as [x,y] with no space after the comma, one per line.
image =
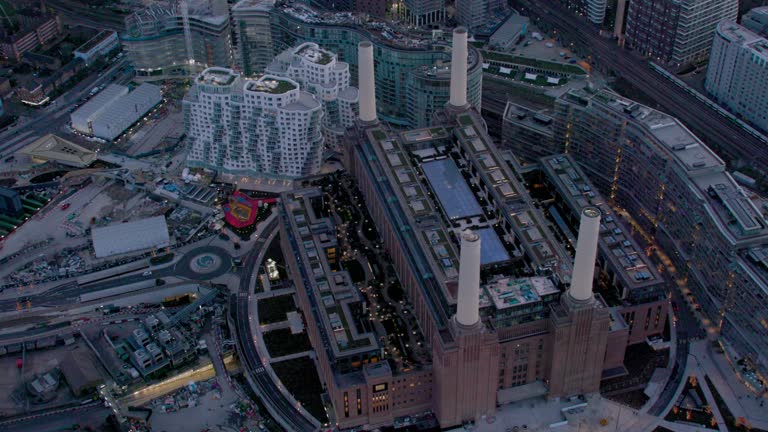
[468,310]
[366,82]
[586,253]
[459,68]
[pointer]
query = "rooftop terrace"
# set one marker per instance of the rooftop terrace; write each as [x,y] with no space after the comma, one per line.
[509,293]
[217,77]
[271,84]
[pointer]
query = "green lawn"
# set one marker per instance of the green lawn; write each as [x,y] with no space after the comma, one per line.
[272,310]
[300,378]
[541,64]
[355,270]
[282,342]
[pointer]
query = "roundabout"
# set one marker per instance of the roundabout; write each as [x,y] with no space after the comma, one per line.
[204,263]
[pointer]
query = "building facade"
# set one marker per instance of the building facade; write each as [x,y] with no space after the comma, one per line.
[594,10]
[685,202]
[155,42]
[36,29]
[320,73]
[756,20]
[676,32]
[254,50]
[737,72]
[412,74]
[99,45]
[505,312]
[423,12]
[477,14]
[265,127]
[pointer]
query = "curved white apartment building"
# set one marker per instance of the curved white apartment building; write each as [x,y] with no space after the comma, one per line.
[264,127]
[319,72]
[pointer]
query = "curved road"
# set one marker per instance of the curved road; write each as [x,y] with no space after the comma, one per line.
[278,406]
[69,293]
[717,131]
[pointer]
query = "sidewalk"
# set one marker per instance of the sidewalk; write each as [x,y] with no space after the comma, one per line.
[740,400]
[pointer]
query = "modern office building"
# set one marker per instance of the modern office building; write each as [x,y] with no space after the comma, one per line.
[528,133]
[685,202]
[103,43]
[676,32]
[264,127]
[377,8]
[421,13]
[155,42]
[253,37]
[504,311]
[412,73]
[756,20]
[594,10]
[319,72]
[476,15]
[738,72]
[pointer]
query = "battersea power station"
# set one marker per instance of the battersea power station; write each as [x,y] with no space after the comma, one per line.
[509,293]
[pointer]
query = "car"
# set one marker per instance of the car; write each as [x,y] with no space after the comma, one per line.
[65,206]
[147,273]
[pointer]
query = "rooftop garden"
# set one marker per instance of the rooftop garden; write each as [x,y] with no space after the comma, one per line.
[274,309]
[282,342]
[272,86]
[531,62]
[300,378]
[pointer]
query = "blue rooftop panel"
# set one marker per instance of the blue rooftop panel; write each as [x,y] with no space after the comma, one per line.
[491,249]
[452,190]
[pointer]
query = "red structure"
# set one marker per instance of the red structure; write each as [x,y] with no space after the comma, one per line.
[241,210]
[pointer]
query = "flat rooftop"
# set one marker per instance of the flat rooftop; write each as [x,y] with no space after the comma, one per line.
[92,42]
[217,76]
[735,33]
[271,84]
[509,293]
[312,53]
[627,258]
[332,291]
[492,251]
[451,189]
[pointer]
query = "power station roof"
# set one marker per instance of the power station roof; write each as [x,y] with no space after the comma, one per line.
[491,249]
[150,233]
[451,189]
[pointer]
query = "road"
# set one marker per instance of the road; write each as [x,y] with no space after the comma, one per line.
[731,141]
[68,293]
[52,117]
[267,390]
[79,13]
[59,420]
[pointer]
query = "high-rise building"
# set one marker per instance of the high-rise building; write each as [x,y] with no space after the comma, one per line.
[477,14]
[528,133]
[496,313]
[254,50]
[412,73]
[686,202]
[156,44]
[594,10]
[676,32]
[319,72]
[756,20]
[738,72]
[424,12]
[264,127]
